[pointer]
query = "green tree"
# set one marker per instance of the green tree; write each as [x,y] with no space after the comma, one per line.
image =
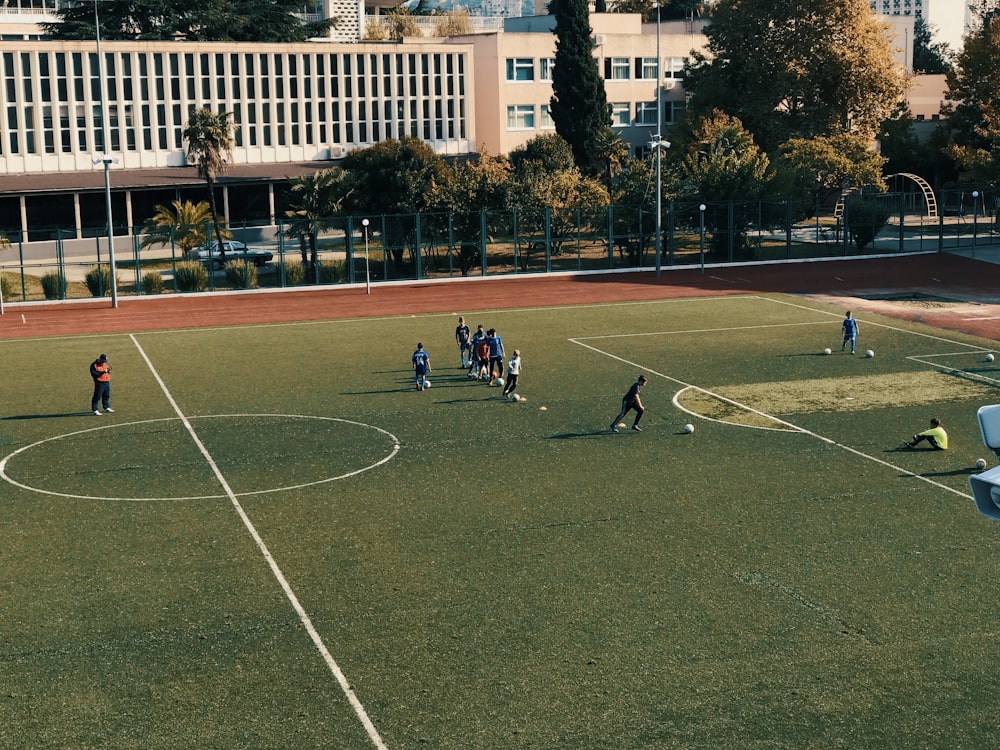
[829,164]
[928,57]
[209,139]
[789,69]
[314,199]
[541,191]
[973,121]
[394,179]
[579,104]
[235,20]
[722,164]
[182,224]
[468,188]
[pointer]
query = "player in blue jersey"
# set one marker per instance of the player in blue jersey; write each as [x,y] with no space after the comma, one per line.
[421,366]
[850,326]
[496,354]
[474,364]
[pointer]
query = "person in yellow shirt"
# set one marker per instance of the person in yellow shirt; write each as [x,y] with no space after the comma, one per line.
[935,436]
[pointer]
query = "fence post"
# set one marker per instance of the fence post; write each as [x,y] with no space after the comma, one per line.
[349,249]
[482,240]
[548,239]
[611,236]
[416,231]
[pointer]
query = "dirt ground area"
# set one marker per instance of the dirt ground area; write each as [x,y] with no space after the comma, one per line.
[940,289]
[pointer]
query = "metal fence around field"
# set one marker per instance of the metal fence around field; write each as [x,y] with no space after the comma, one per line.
[347,250]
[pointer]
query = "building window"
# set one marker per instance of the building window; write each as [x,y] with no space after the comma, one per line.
[674,67]
[520,69]
[621,114]
[672,112]
[545,118]
[645,113]
[521,117]
[618,69]
[545,67]
[646,68]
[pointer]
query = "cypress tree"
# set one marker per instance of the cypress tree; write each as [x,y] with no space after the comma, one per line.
[579,104]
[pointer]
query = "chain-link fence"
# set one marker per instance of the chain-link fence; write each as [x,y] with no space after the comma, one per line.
[355,249]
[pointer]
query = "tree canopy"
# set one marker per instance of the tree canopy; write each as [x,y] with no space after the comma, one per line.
[973,121]
[789,69]
[579,104]
[195,20]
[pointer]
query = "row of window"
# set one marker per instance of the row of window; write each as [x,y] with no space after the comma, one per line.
[51,102]
[522,116]
[527,69]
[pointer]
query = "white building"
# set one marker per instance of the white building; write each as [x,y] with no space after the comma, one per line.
[948,20]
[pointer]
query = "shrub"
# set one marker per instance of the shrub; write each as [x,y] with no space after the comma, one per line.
[191,277]
[865,218]
[98,280]
[330,271]
[8,285]
[241,274]
[295,272]
[152,283]
[51,285]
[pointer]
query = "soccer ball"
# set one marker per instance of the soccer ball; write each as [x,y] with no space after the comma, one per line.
[498,382]
[426,383]
[827,351]
[869,354]
[514,397]
[980,463]
[988,357]
[688,429]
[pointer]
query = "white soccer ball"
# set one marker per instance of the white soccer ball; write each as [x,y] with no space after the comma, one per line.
[980,463]
[869,354]
[427,383]
[827,351]
[688,429]
[514,397]
[498,382]
[989,357]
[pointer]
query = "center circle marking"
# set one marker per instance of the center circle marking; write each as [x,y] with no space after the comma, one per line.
[392,439]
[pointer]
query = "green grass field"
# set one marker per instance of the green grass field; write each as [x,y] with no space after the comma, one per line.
[276,542]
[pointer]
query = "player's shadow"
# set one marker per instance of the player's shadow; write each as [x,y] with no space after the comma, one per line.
[954,473]
[579,435]
[45,416]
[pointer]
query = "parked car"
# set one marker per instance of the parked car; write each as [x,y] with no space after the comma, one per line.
[233,250]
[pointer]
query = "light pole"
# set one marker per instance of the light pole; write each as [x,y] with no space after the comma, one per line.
[656,138]
[975,220]
[368,282]
[106,159]
[701,242]
[657,144]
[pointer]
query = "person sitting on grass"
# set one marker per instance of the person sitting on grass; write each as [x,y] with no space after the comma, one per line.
[935,436]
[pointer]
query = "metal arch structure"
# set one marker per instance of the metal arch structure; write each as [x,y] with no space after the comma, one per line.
[929,198]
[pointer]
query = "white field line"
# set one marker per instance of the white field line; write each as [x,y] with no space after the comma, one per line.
[794,427]
[334,668]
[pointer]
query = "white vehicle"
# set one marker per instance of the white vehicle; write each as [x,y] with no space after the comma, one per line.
[232,250]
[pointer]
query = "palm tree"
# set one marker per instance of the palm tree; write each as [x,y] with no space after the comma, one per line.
[210,141]
[314,200]
[182,223]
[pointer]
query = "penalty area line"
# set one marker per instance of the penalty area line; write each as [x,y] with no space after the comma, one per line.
[304,618]
[795,427]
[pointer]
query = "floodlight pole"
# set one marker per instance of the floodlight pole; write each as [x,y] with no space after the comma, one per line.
[657,139]
[975,220]
[368,281]
[701,244]
[106,159]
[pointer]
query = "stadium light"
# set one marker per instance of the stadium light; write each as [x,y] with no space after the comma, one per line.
[105,159]
[368,282]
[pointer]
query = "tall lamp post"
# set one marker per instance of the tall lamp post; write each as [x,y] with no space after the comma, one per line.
[105,159]
[701,242]
[368,281]
[975,220]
